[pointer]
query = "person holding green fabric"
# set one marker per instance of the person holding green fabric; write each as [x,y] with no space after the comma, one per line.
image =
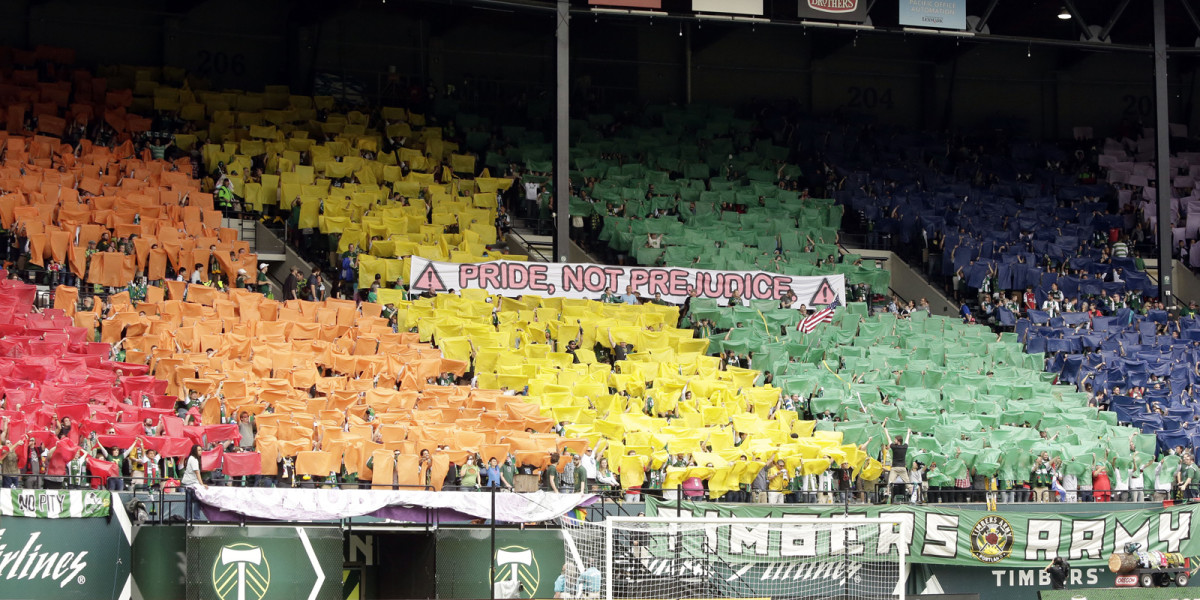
[939,483]
[137,289]
[1137,479]
[1042,477]
[956,469]
[1164,478]
[797,492]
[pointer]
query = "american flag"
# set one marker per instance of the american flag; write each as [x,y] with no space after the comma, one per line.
[810,322]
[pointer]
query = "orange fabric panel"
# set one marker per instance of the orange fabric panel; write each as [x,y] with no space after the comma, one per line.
[441,465]
[60,243]
[268,450]
[469,440]
[65,298]
[496,451]
[393,433]
[202,294]
[317,464]
[538,460]
[574,446]
[292,447]
[154,294]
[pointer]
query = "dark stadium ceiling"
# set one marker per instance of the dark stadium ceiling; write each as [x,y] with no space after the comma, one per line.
[1126,23]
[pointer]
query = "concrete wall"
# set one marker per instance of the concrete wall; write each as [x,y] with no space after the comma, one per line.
[907,282]
[1186,283]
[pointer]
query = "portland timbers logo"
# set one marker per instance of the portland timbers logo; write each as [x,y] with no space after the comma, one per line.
[991,539]
[241,572]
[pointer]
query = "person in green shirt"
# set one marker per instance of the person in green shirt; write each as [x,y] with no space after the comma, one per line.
[469,475]
[158,151]
[240,282]
[224,195]
[293,220]
[610,296]
[1190,310]
[137,289]
[389,310]
[77,471]
[1188,478]
[1042,477]
[264,284]
[508,472]
[373,293]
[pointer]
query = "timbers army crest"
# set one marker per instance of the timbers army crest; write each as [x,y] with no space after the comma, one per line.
[991,539]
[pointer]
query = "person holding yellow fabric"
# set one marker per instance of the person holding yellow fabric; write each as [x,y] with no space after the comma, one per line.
[777,482]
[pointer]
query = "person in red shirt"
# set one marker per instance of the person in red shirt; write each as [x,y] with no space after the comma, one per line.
[1030,299]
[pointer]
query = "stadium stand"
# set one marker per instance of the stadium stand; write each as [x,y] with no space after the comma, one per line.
[1127,165]
[376,187]
[999,219]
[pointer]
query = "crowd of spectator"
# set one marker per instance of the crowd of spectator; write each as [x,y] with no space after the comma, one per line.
[100,443]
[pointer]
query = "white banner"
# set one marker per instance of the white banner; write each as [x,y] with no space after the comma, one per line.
[589,281]
[741,7]
[291,504]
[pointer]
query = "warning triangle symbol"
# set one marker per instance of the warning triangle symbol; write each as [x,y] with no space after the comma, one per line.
[824,295]
[429,280]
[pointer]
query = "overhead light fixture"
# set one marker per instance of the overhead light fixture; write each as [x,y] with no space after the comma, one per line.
[1064,14]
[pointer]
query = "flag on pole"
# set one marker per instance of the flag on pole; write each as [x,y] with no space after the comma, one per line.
[810,322]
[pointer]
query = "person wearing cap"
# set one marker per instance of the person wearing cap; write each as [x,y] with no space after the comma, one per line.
[264,284]
[240,282]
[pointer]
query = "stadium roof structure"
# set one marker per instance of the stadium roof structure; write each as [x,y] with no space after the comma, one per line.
[1118,25]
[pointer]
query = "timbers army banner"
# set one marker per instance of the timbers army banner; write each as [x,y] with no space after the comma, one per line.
[945,536]
[55,504]
[589,281]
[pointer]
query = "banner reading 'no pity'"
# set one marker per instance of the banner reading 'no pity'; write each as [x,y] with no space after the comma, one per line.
[583,280]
